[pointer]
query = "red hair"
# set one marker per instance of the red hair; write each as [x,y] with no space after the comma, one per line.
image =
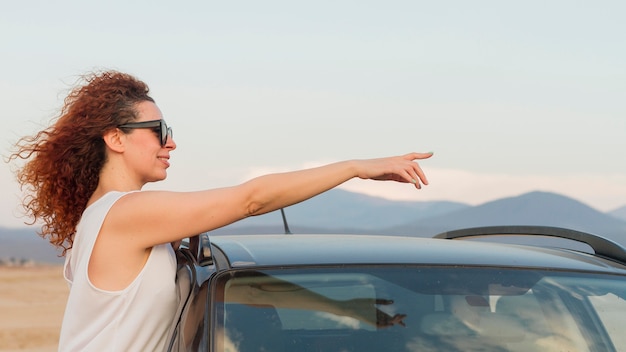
[63,161]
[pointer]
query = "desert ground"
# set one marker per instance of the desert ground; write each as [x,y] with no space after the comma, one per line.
[32,300]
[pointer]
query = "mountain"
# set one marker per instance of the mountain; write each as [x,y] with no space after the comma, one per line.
[534,208]
[619,213]
[25,243]
[339,211]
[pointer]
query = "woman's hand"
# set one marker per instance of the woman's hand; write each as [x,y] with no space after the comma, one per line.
[398,168]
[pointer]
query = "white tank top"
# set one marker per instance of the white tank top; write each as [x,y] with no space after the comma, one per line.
[136,318]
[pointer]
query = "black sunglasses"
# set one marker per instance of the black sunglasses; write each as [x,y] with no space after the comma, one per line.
[159,126]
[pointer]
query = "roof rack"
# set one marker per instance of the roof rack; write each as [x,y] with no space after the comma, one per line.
[601,246]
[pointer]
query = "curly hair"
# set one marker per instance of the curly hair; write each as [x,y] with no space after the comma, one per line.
[63,161]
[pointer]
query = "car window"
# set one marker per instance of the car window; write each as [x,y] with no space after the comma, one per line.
[404,308]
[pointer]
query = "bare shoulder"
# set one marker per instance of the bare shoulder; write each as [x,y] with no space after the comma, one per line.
[148,218]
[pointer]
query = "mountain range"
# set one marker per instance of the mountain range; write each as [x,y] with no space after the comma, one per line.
[339,211]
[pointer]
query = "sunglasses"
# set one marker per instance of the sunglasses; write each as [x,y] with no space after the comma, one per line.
[158,126]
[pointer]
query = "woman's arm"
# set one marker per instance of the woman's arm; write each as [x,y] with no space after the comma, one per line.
[155,217]
[272,192]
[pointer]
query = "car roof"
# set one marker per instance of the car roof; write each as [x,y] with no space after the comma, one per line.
[245,251]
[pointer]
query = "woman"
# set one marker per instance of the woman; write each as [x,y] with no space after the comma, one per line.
[84,175]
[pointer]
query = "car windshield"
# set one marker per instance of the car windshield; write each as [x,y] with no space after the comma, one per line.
[405,308]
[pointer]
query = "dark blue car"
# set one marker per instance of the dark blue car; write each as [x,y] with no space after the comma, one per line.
[466,290]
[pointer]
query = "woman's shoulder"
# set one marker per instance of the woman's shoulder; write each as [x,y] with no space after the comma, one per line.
[106,200]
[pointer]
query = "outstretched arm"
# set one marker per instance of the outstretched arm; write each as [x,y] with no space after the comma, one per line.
[155,217]
[271,192]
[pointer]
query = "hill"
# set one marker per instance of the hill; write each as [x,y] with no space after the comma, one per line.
[535,208]
[24,243]
[619,213]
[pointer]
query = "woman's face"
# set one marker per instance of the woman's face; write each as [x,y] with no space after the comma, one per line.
[145,154]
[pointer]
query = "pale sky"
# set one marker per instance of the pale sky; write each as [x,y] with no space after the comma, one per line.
[511,96]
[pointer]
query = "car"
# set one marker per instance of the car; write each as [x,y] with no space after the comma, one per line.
[474,289]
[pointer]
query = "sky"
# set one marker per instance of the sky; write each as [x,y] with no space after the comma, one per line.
[511,96]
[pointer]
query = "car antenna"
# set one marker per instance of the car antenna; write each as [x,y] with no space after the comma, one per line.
[285,225]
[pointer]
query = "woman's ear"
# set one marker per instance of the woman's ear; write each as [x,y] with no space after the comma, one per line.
[114,139]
